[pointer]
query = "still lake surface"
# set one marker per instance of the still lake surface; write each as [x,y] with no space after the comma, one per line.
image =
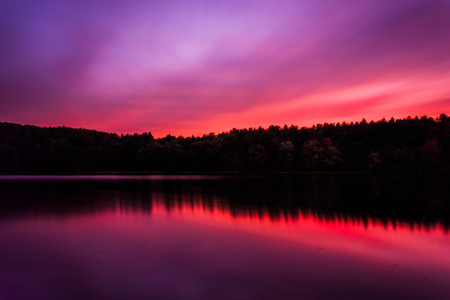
[224,237]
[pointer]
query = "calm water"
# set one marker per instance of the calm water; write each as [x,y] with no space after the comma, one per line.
[203,237]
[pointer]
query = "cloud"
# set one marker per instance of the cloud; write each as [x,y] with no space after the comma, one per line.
[188,65]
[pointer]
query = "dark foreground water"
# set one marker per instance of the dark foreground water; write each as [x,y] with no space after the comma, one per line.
[212,237]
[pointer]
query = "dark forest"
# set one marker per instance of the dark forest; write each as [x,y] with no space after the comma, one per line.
[420,144]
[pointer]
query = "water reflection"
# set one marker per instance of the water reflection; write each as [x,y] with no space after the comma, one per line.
[416,202]
[275,237]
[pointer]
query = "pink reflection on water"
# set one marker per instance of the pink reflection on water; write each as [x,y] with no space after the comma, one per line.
[393,241]
[199,250]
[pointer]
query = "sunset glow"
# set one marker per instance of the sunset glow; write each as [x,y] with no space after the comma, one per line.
[194,67]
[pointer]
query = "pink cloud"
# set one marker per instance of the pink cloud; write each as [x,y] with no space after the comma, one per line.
[193,67]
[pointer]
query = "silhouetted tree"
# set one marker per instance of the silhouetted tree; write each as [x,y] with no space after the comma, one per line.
[402,145]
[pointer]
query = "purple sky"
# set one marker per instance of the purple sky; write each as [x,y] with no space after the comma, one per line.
[193,67]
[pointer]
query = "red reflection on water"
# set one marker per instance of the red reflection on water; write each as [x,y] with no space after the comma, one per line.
[206,250]
[395,242]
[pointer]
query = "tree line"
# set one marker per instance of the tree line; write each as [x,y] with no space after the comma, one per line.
[420,144]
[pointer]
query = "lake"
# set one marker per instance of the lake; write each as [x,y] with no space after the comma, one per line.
[278,236]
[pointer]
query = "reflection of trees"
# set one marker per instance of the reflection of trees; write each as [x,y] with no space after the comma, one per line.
[417,201]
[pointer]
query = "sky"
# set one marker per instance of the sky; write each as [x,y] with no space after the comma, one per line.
[186,67]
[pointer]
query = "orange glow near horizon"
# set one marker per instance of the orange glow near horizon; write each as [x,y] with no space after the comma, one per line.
[186,69]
